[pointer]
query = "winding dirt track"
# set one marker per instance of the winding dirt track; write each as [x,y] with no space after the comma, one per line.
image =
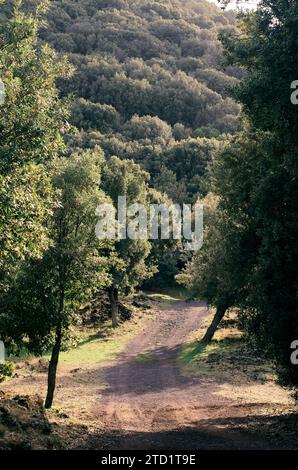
[149,404]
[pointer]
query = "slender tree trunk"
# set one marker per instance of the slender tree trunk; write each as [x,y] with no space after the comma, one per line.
[114,300]
[220,313]
[52,372]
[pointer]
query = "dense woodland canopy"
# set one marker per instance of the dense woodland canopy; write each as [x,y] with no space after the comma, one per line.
[149,82]
[157,58]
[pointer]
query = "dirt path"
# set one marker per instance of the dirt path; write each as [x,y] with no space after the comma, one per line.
[143,400]
[149,404]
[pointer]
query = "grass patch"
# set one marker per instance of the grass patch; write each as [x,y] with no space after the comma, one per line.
[145,358]
[178,293]
[92,352]
[227,354]
[167,296]
[97,348]
[197,358]
[88,347]
[162,297]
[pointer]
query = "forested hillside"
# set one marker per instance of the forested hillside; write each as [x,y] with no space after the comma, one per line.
[154,102]
[149,83]
[158,58]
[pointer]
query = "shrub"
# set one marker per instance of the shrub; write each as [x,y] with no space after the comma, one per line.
[6,370]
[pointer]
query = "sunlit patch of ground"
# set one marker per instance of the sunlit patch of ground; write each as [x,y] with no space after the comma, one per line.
[244,376]
[81,369]
[169,295]
[150,382]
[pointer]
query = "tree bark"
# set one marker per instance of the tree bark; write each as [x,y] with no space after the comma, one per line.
[114,300]
[52,372]
[220,313]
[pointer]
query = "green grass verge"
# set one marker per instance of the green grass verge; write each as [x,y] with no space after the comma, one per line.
[168,296]
[93,351]
[197,358]
[226,354]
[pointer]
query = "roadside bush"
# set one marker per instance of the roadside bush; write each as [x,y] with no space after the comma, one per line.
[6,370]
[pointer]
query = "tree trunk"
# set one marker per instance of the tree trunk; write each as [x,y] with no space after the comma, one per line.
[113,294]
[220,313]
[52,372]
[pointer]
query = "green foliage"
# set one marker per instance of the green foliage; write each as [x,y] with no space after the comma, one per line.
[251,259]
[127,258]
[48,291]
[216,271]
[148,74]
[6,370]
[88,116]
[32,115]
[26,201]
[267,47]
[166,255]
[149,128]
[166,182]
[189,160]
[31,120]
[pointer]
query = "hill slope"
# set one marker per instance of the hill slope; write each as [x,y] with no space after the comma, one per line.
[149,83]
[158,58]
